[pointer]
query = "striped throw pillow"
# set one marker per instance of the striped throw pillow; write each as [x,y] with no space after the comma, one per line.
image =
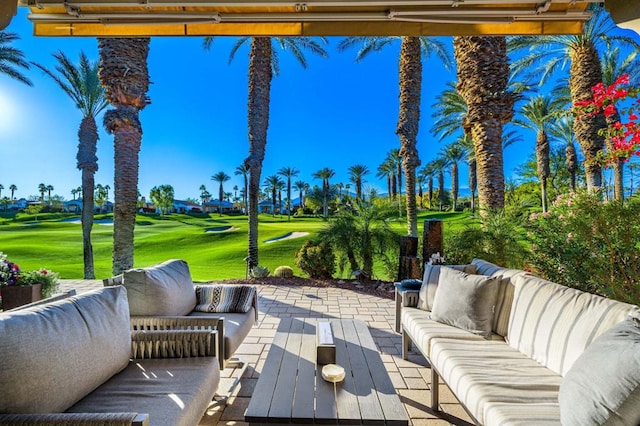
[224,298]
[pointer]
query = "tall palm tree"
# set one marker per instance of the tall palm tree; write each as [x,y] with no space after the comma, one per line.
[221,178]
[288,172]
[536,115]
[421,180]
[483,73]
[271,183]
[325,174]
[81,83]
[562,130]
[49,189]
[263,64]
[466,144]
[13,188]
[356,174]
[453,154]
[11,59]
[1,188]
[412,51]
[301,187]
[125,77]
[204,194]
[243,171]
[42,188]
[546,55]
[428,171]
[439,165]
[74,192]
[387,170]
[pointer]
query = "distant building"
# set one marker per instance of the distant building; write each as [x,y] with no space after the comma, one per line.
[212,206]
[181,206]
[75,206]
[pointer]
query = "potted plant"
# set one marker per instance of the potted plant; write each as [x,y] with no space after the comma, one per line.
[18,288]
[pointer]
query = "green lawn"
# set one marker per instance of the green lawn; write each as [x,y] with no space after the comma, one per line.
[56,244]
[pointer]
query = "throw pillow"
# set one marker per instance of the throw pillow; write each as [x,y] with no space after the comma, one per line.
[603,385]
[466,301]
[224,298]
[430,282]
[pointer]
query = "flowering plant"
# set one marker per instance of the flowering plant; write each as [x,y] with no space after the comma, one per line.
[436,259]
[9,272]
[606,100]
[11,275]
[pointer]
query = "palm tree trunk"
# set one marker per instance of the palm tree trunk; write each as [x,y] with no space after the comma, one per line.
[407,130]
[572,164]
[125,76]
[483,72]
[289,198]
[325,196]
[473,183]
[454,184]
[260,75]
[440,189]
[618,164]
[88,164]
[430,192]
[543,168]
[585,73]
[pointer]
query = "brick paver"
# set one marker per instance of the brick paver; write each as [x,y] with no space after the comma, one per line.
[411,378]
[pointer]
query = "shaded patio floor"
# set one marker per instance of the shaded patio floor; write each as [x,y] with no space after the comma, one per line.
[411,378]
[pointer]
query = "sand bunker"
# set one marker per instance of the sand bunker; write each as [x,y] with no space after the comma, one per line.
[221,229]
[288,236]
[107,222]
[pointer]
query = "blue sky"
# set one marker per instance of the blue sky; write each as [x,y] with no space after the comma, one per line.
[334,114]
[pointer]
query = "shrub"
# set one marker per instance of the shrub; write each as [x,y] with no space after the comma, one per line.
[259,272]
[283,272]
[590,245]
[317,260]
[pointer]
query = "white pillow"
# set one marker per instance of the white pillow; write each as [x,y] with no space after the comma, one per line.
[430,282]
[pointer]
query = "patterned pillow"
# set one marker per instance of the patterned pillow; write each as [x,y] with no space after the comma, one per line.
[224,298]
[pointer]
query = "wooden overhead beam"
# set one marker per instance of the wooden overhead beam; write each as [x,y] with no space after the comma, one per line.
[625,13]
[8,9]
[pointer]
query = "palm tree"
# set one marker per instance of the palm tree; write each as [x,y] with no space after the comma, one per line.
[10,58]
[49,189]
[271,183]
[204,194]
[439,164]
[536,115]
[288,172]
[13,190]
[483,73]
[301,186]
[243,171]
[221,178]
[453,154]
[546,55]
[74,192]
[466,144]
[125,77]
[449,112]
[81,83]
[356,173]
[412,51]
[421,179]
[562,130]
[325,174]
[263,63]
[1,188]
[42,188]
[387,170]
[428,171]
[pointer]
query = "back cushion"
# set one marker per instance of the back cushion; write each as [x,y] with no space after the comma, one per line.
[554,324]
[55,354]
[430,283]
[505,293]
[163,289]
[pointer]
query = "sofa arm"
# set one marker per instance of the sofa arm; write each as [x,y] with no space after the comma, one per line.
[56,419]
[173,343]
[410,298]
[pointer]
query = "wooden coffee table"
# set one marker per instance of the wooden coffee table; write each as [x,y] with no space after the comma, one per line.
[291,390]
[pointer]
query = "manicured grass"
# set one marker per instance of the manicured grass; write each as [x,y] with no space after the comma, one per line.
[56,244]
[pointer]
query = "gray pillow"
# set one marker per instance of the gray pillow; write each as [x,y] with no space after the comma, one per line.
[466,301]
[603,385]
[430,282]
[163,289]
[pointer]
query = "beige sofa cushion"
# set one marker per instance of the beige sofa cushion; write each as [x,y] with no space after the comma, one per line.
[554,324]
[174,392]
[163,289]
[494,380]
[430,281]
[55,354]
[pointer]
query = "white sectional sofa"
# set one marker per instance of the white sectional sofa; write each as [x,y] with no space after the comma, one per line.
[518,350]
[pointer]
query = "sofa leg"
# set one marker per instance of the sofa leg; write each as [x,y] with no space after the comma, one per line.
[406,345]
[222,399]
[435,390]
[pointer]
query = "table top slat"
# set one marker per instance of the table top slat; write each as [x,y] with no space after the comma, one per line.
[365,390]
[347,401]
[302,410]
[258,408]
[281,402]
[392,407]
